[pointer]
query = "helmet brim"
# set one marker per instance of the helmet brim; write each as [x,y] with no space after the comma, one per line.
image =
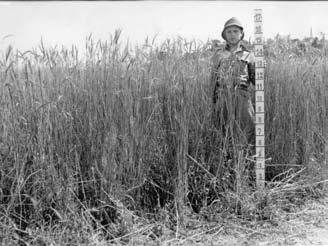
[241,28]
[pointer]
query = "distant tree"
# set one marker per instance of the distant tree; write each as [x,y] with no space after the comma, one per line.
[316,43]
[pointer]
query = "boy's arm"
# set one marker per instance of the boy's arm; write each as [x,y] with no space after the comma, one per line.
[251,69]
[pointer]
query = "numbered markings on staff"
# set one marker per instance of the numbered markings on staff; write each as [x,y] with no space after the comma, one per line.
[259,85]
[259,58]
[260,175]
[260,152]
[259,108]
[258,15]
[258,37]
[259,128]
[260,183]
[258,28]
[258,50]
[259,75]
[259,40]
[259,96]
[259,141]
[260,164]
[259,63]
[259,118]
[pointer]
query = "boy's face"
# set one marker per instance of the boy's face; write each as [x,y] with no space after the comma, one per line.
[233,34]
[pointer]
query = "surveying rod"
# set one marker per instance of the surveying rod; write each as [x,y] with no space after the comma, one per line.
[259,99]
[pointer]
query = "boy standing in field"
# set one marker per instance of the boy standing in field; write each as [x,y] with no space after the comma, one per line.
[233,71]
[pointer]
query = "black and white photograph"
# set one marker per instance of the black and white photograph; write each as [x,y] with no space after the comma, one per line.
[190,123]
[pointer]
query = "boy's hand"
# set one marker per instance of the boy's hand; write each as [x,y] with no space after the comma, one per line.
[243,80]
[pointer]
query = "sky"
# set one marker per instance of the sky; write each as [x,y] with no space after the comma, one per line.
[23,24]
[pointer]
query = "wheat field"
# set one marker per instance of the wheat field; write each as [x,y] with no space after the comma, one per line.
[107,146]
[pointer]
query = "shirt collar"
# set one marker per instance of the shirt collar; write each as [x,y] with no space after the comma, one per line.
[239,49]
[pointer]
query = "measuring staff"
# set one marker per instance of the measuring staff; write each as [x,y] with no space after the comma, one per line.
[259,99]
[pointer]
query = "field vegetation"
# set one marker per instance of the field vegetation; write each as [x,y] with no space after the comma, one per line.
[119,145]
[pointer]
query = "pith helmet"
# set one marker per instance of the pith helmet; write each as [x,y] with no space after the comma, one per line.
[232,22]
